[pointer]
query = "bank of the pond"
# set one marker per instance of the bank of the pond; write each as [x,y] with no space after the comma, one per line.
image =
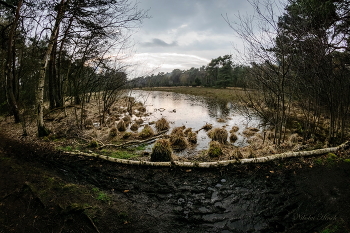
[44,190]
[230,94]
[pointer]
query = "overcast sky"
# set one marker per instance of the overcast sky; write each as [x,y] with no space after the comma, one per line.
[185,33]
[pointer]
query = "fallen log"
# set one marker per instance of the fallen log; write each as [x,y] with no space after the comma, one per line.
[217,163]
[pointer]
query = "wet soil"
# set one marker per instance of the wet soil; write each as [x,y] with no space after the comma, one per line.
[281,196]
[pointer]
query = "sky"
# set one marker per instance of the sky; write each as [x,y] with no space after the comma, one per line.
[185,33]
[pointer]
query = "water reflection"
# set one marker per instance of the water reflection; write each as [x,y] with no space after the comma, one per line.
[194,111]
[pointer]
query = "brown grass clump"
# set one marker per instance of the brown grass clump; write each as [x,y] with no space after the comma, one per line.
[221,120]
[139,121]
[121,126]
[142,109]
[134,127]
[192,137]
[127,118]
[233,137]
[207,126]
[127,135]
[162,124]
[234,129]
[113,132]
[218,134]
[89,124]
[188,130]
[250,131]
[161,151]
[178,141]
[215,149]
[146,132]
[178,131]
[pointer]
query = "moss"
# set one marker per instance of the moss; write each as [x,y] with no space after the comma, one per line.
[218,134]
[161,151]
[347,160]
[215,149]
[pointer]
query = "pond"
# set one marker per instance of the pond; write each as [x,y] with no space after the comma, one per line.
[195,111]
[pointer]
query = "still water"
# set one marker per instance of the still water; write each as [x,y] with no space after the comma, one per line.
[195,111]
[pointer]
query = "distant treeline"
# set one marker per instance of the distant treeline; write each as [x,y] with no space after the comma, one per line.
[220,72]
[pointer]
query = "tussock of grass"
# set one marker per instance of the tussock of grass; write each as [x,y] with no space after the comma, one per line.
[146,132]
[121,126]
[207,127]
[162,124]
[234,129]
[215,149]
[218,134]
[139,121]
[192,137]
[233,137]
[178,131]
[161,151]
[188,130]
[250,131]
[134,127]
[113,132]
[178,142]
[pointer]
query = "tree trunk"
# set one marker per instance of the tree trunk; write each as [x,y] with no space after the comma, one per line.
[42,131]
[11,87]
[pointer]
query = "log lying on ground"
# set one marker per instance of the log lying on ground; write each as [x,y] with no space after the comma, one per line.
[217,163]
[135,142]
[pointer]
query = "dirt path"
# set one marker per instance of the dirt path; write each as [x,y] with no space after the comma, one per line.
[274,197]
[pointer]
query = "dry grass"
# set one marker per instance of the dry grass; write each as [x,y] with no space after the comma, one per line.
[121,126]
[139,121]
[249,132]
[161,151]
[207,127]
[89,124]
[134,127]
[233,137]
[215,149]
[177,139]
[188,130]
[146,132]
[162,124]
[113,132]
[178,131]
[234,129]
[192,137]
[218,134]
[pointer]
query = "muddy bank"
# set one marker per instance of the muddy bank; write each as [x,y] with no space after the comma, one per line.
[281,196]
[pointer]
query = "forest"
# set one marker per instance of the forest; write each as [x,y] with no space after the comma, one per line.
[58,52]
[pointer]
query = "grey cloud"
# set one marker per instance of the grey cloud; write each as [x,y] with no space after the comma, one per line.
[159,43]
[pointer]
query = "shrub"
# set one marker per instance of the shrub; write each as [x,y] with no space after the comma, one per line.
[134,127]
[215,149]
[113,132]
[192,137]
[218,134]
[161,151]
[233,137]
[162,124]
[146,132]
[121,126]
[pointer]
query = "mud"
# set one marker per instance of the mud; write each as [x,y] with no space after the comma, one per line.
[281,196]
